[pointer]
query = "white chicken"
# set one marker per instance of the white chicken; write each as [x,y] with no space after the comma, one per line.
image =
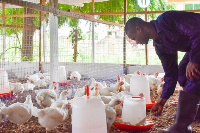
[16,87]
[106,99]
[62,99]
[114,102]
[154,81]
[126,84]
[80,92]
[95,92]
[51,117]
[28,86]
[19,113]
[108,91]
[160,87]
[75,76]
[46,97]
[92,83]
[110,116]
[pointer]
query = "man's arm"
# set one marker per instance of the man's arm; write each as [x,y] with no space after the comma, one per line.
[170,66]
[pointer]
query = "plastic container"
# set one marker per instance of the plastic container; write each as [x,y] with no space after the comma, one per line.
[88,115]
[134,110]
[62,74]
[140,84]
[4,84]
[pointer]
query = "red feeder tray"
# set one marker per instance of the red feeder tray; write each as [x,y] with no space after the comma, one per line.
[134,128]
[149,106]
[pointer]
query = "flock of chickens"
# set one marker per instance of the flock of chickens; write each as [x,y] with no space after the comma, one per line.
[55,110]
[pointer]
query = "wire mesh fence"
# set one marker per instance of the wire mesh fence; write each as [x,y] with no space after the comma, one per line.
[22,42]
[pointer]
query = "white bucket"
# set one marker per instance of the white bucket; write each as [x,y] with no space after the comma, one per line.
[134,110]
[62,74]
[140,84]
[4,84]
[88,115]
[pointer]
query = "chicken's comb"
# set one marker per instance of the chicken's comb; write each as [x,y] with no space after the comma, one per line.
[157,73]
[87,90]
[162,79]
[138,73]
[96,86]
[118,78]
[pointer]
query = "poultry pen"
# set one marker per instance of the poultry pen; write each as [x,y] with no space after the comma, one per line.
[37,37]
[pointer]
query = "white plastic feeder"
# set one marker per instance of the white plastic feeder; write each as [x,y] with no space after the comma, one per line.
[62,74]
[134,110]
[4,84]
[140,84]
[88,115]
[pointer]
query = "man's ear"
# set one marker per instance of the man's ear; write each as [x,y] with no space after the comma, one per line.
[139,29]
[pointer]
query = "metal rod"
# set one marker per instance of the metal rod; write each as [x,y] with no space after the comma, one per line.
[146,46]
[124,44]
[93,42]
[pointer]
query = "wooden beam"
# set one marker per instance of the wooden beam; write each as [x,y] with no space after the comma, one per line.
[141,12]
[80,13]
[56,11]
[23,15]
[18,26]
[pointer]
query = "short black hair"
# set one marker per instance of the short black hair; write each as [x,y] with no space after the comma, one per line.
[132,23]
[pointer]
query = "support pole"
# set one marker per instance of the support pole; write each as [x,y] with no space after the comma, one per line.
[44,39]
[146,46]
[40,40]
[124,44]
[4,35]
[53,19]
[93,42]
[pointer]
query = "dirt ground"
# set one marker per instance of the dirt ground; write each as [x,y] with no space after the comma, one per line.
[32,126]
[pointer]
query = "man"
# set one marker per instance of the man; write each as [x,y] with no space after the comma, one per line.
[174,31]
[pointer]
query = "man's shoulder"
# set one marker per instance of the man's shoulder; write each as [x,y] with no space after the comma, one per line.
[171,13]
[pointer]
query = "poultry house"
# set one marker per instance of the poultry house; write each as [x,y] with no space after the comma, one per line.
[18,113]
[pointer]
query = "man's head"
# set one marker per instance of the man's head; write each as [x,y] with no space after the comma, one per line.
[135,29]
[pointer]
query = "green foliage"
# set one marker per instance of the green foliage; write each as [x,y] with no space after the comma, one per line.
[15,21]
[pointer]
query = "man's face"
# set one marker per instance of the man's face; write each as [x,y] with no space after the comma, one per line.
[139,36]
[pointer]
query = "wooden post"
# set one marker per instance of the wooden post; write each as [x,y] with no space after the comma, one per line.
[4,34]
[146,46]
[124,44]
[53,19]
[93,42]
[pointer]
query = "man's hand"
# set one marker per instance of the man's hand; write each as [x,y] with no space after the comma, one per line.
[158,107]
[192,71]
